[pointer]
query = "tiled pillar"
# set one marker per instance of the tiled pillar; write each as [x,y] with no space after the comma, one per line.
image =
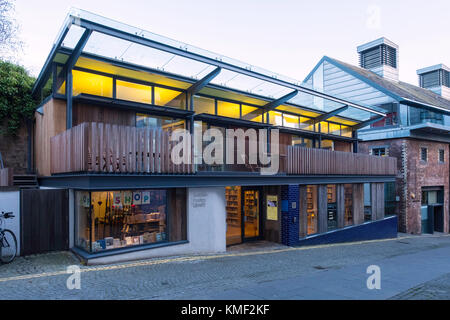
[340,198]
[358,203]
[322,208]
[290,214]
[303,220]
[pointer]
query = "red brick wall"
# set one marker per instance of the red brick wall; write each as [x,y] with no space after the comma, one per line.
[413,175]
[426,174]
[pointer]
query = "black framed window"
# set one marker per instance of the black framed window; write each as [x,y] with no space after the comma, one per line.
[441,155]
[115,219]
[424,154]
[381,152]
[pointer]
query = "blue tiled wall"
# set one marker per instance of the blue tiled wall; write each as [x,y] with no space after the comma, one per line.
[290,214]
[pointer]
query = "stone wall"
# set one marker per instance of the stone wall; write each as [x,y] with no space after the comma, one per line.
[14,149]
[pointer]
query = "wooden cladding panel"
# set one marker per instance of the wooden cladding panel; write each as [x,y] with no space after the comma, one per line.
[309,161]
[111,148]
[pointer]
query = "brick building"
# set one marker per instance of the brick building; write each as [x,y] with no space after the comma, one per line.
[415,131]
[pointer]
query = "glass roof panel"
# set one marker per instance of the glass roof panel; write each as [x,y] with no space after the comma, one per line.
[130,52]
[231,79]
[73,36]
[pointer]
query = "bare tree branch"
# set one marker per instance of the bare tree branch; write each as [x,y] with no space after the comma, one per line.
[9,40]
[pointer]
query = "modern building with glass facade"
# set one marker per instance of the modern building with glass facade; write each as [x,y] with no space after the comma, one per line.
[105,134]
[416,129]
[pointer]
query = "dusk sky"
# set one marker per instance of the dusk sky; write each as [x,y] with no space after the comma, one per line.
[283,36]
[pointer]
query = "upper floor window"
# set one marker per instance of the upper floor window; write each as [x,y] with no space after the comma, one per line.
[441,156]
[424,154]
[381,152]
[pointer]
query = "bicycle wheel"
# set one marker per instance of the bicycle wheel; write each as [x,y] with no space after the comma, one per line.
[8,247]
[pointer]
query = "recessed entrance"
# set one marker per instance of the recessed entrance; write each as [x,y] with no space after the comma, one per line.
[243,206]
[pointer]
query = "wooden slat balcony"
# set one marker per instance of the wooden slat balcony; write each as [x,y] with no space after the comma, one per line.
[307,161]
[104,148]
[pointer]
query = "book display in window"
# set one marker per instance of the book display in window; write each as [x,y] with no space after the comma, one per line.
[233,208]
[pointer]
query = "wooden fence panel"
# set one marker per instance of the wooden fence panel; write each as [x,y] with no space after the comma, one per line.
[44,221]
[309,161]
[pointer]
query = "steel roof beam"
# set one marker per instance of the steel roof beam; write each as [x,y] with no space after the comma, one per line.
[215,62]
[366,123]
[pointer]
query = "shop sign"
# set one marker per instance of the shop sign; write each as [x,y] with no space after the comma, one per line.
[117,198]
[272,207]
[145,197]
[127,197]
[137,197]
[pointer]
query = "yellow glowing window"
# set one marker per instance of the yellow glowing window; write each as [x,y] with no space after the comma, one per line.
[84,82]
[251,113]
[204,105]
[275,118]
[133,92]
[334,128]
[291,121]
[324,127]
[170,98]
[306,124]
[228,109]
[346,131]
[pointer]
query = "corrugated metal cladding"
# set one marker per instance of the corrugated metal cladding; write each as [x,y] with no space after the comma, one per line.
[340,83]
[435,78]
[377,56]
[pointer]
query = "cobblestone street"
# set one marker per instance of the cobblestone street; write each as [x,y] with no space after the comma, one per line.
[412,267]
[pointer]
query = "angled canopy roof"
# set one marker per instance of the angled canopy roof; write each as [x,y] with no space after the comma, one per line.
[88,34]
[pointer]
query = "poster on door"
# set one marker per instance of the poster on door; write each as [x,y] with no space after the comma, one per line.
[272,207]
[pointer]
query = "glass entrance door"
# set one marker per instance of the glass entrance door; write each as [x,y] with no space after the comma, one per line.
[251,206]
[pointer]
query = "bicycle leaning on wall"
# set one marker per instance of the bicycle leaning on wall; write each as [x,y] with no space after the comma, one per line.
[8,241]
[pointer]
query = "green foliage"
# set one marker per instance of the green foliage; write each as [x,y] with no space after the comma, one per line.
[16,101]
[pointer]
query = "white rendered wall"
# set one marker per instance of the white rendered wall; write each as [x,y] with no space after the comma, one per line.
[10,202]
[206,218]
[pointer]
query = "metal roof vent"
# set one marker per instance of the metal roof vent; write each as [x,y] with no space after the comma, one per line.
[381,57]
[436,78]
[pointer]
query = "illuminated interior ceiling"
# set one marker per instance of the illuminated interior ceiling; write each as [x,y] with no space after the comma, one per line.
[87,34]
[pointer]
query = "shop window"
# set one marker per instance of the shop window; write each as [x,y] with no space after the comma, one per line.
[311,208]
[424,154]
[291,121]
[118,219]
[367,201]
[90,83]
[252,113]
[133,92]
[170,98]
[331,207]
[228,109]
[234,217]
[348,200]
[204,105]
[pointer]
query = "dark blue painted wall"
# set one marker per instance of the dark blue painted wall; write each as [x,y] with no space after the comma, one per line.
[381,229]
